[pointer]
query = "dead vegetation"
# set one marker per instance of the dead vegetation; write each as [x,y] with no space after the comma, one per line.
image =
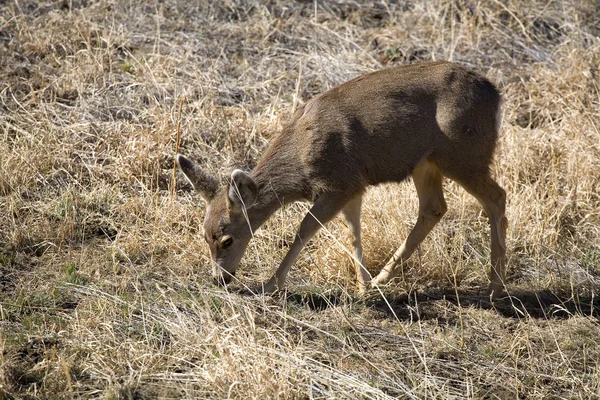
[104,276]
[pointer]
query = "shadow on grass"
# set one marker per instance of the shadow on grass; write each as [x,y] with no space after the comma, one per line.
[520,304]
[314,301]
[524,304]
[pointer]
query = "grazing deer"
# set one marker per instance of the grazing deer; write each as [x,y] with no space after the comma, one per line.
[426,120]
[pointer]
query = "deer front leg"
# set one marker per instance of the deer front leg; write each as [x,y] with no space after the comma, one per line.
[352,213]
[323,210]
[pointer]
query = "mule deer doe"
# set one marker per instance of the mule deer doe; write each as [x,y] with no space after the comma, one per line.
[426,120]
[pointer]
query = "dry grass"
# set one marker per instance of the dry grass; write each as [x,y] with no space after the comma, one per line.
[104,277]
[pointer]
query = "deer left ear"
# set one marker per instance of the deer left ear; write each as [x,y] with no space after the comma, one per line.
[202,181]
[242,190]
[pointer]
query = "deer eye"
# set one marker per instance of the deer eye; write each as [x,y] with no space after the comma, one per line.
[226,243]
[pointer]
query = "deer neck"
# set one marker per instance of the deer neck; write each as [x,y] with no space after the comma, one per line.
[280,181]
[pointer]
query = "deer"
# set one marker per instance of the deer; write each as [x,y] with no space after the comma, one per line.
[428,121]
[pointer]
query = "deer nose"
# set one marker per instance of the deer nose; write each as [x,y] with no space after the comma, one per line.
[224,279]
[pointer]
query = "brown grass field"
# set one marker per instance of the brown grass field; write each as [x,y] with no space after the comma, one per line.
[105,285]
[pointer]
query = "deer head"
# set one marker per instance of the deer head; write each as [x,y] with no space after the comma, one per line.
[227,229]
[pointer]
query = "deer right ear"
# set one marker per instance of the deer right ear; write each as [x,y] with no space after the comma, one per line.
[242,191]
[204,183]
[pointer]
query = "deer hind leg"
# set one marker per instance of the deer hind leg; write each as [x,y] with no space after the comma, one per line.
[352,214]
[323,210]
[493,199]
[432,207]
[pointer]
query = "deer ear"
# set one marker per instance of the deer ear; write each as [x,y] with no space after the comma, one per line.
[242,191]
[204,183]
